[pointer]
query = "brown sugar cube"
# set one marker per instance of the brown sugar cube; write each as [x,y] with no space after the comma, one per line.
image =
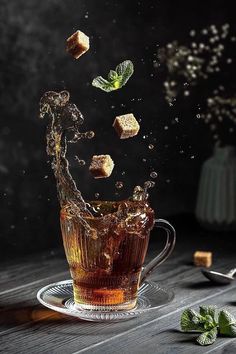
[101,166]
[202,259]
[77,44]
[126,126]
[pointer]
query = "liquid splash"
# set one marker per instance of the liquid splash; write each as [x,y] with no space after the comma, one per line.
[65,120]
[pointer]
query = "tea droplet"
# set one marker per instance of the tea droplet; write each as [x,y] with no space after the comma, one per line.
[80,162]
[119,185]
[153,174]
[149,184]
[90,134]
[97,195]
[151,146]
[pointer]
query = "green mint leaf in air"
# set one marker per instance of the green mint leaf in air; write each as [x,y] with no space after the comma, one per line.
[112,75]
[116,78]
[208,337]
[102,84]
[125,70]
[227,324]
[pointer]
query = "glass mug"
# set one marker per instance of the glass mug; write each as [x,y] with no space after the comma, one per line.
[106,263]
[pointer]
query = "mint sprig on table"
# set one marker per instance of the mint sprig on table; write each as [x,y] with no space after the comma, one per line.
[116,78]
[210,322]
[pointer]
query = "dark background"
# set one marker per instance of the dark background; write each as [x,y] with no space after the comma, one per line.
[33,60]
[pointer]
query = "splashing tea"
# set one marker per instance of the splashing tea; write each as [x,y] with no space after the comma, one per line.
[105,242]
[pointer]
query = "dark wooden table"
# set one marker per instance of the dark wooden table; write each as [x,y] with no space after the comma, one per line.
[28,327]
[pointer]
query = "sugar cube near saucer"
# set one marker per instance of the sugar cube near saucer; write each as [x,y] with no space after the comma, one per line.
[202,259]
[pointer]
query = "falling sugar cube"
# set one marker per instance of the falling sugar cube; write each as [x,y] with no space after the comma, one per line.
[77,44]
[126,126]
[101,166]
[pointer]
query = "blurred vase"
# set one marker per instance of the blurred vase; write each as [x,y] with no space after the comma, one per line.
[216,201]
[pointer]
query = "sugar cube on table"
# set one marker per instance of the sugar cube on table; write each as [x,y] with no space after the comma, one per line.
[126,126]
[202,259]
[101,166]
[77,44]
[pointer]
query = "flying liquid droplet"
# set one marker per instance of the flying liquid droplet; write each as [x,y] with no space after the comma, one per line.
[153,174]
[151,146]
[90,134]
[97,195]
[119,185]
[149,184]
[80,162]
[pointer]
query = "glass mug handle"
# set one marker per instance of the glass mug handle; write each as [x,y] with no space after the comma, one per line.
[164,254]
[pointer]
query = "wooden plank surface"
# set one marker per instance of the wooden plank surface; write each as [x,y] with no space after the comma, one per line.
[31,269]
[27,327]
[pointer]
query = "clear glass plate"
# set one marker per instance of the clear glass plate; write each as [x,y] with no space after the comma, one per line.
[59,297]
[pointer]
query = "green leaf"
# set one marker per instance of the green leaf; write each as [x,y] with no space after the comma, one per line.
[207,338]
[190,321]
[227,324]
[103,84]
[116,79]
[112,75]
[208,310]
[125,70]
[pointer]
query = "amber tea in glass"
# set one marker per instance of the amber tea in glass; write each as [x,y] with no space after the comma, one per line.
[106,252]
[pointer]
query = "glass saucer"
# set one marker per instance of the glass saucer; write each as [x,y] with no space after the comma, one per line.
[59,297]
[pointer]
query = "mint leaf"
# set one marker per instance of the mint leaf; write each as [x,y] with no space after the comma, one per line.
[227,324]
[209,323]
[112,75]
[207,338]
[125,70]
[103,84]
[116,78]
[209,310]
[191,321]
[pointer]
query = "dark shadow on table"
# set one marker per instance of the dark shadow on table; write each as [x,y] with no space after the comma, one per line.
[37,315]
[201,285]
[18,314]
